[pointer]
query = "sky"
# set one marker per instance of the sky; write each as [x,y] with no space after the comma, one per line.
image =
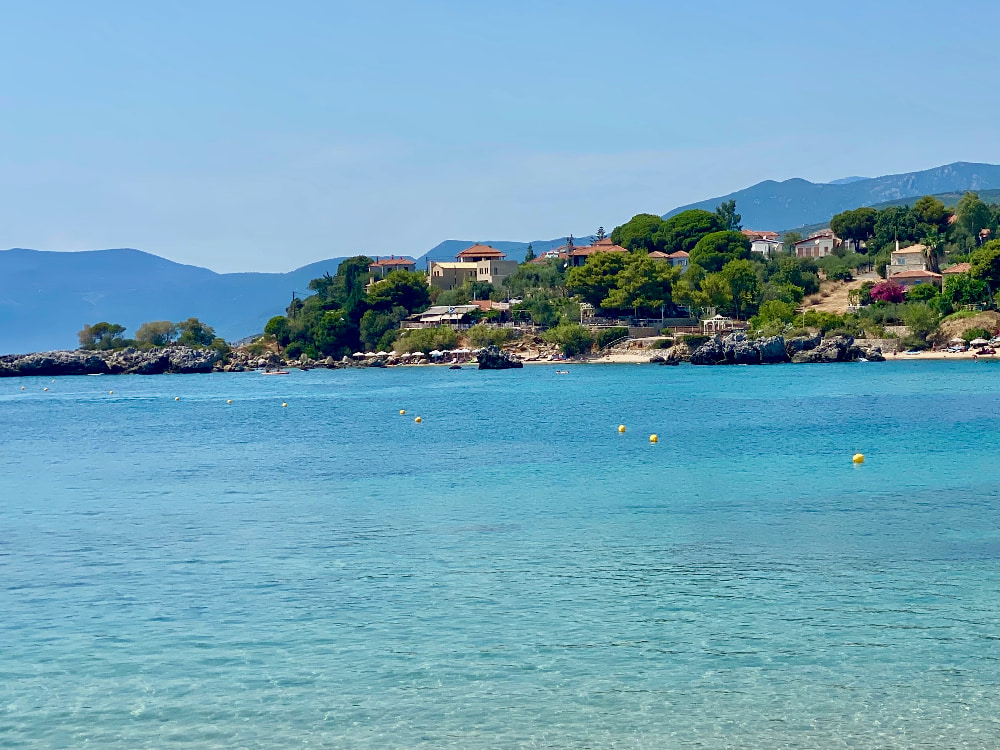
[262,136]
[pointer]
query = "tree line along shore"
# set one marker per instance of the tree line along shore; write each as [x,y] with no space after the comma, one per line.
[692,266]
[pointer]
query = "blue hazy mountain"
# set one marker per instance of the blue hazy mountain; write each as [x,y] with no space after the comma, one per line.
[46,297]
[796,202]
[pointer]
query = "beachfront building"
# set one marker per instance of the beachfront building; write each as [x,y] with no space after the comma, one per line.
[476,263]
[721,324]
[383,266]
[818,245]
[457,316]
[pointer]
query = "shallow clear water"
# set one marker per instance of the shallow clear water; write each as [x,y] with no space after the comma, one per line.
[512,572]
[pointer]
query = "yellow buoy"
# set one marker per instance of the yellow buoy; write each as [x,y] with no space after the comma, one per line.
[284,405]
[621,428]
[44,389]
[402,411]
[859,458]
[22,387]
[229,401]
[110,392]
[177,398]
[654,438]
[418,420]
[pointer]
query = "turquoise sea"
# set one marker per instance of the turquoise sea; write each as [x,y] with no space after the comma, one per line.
[510,573]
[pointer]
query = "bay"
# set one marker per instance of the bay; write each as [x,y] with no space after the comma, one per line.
[510,572]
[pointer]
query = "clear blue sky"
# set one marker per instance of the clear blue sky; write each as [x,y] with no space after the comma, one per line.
[264,136]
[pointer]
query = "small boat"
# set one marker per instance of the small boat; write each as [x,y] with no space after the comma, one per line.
[562,372]
[276,372]
[455,367]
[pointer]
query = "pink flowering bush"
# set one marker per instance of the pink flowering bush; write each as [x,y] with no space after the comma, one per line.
[888,291]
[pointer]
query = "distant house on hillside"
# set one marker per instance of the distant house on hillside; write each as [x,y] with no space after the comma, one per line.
[910,279]
[906,259]
[578,255]
[955,270]
[552,254]
[392,263]
[767,244]
[818,245]
[476,263]
[680,258]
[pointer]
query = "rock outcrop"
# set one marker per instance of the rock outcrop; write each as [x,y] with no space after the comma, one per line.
[175,359]
[737,349]
[492,358]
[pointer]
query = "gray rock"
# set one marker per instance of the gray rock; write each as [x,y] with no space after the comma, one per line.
[493,358]
[772,350]
[802,344]
[712,352]
[180,359]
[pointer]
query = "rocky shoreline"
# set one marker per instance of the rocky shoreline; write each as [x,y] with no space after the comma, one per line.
[734,349]
[174,359]
[737,349]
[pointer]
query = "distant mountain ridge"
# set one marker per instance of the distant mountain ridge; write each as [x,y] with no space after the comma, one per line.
[794,203]
[46,297]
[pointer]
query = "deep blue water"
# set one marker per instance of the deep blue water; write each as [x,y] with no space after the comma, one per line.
[510,573]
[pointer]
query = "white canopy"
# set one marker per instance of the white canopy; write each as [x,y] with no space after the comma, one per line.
[979,342]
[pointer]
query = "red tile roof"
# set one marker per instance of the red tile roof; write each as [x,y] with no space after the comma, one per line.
[597,248]
[958,268]
[915,274]
[680,254]
[481,251]
[394,261]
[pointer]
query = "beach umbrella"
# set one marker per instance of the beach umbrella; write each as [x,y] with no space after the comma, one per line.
[369,354]
[979,342]
[436,353]
[359,354]
[382,354]
[957,340]
[417,354]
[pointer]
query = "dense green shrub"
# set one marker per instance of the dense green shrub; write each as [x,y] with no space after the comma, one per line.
[482,335]
[572,338]
[426,339]
[976,333]
[609,335]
